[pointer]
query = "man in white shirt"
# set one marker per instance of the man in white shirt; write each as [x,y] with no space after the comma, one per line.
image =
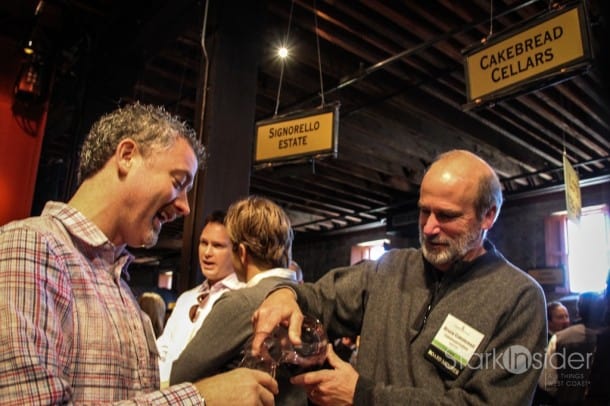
[193,306]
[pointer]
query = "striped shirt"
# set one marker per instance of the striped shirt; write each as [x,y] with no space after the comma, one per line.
[72,331]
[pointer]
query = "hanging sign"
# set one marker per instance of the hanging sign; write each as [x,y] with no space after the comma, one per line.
[543,51]
[310,133]
[571,180]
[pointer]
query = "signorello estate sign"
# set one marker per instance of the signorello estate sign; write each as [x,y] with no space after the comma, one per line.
[309,133]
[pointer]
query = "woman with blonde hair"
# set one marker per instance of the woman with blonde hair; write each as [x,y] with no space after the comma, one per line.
[153,305]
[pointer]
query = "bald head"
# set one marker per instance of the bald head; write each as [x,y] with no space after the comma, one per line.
[476,179]
[462,161]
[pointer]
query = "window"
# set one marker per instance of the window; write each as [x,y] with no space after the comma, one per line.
[583,248]
[368,250]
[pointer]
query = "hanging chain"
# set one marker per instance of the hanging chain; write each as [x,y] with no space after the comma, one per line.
[315,18]
[283,60]
[491,19]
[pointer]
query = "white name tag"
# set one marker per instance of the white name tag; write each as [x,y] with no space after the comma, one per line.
[453,345]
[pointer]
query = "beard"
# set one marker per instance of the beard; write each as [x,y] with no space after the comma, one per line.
[453,249]
[151,238]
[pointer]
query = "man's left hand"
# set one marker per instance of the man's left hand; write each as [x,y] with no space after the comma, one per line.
[330,386]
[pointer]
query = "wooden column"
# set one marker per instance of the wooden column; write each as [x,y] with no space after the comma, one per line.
[233,42]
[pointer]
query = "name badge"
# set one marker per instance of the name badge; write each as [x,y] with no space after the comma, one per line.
[453,345]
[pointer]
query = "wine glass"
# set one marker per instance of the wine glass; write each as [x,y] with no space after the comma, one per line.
[263,361]
[277,349]
[312,350]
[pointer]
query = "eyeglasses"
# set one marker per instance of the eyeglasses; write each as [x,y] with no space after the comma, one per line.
[194,310]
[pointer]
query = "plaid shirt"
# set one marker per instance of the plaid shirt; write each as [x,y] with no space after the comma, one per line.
[72,332]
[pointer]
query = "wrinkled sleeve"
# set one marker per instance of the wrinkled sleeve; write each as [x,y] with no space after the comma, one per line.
[339,298]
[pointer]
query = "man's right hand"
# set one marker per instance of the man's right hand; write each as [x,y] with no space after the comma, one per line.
[280,307]
[240,386]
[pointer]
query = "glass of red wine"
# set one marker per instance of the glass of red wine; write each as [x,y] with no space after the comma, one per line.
[277,349]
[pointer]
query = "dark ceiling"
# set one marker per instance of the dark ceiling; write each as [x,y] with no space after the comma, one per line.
[395,67]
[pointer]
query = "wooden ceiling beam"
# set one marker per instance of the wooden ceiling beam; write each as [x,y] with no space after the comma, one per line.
[294,186]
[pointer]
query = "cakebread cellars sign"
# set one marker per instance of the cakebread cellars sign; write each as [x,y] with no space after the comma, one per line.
[307,134]
[542,52]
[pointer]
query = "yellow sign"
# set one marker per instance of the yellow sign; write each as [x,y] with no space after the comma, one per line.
[571,180]
[311,133]
[530,54]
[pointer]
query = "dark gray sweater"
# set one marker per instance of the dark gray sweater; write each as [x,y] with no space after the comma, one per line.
[398,304]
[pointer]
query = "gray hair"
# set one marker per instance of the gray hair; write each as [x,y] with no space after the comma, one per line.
[489,195]
[149,126]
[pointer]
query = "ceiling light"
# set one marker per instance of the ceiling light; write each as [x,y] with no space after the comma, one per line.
[282,52]
[28,48]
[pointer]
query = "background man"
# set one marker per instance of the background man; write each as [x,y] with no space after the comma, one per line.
[570,353]
[431,320]
[558,317]
[193,306]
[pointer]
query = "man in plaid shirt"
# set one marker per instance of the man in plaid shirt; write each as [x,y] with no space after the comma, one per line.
[72,330]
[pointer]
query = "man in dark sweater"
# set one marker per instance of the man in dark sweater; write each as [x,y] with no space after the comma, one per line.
[450,323]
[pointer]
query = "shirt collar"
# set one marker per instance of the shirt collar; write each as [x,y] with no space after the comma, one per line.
[275,272]
[230,282]
[89,234]
[76,223]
